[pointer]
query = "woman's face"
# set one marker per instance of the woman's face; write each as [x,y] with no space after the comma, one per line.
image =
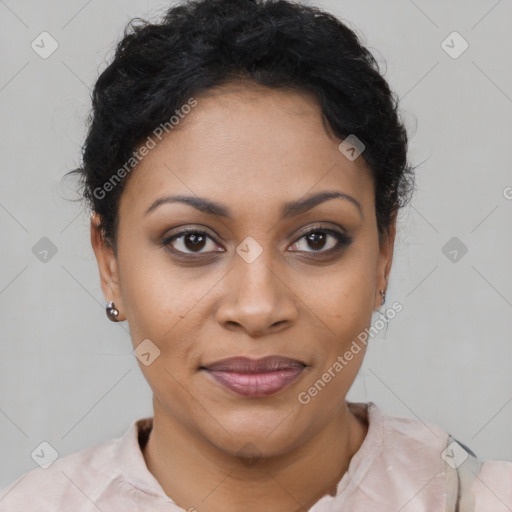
[255,283]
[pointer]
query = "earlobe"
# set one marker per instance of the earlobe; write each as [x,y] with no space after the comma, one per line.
[107,266]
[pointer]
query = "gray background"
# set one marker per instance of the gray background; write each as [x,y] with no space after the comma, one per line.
[68,375]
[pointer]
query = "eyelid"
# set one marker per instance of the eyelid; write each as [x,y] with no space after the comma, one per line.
[180,231]
[323,227]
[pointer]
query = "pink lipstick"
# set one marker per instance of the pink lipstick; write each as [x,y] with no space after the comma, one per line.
[255,377]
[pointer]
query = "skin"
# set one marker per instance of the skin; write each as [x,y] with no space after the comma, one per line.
[251,149]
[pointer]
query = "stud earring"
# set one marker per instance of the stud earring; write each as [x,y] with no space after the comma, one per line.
[112,312]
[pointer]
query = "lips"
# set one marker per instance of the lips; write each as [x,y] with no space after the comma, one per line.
[255,377]
[246,365]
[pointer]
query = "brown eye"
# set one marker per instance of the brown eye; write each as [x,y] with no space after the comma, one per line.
[190,241]
[322,241]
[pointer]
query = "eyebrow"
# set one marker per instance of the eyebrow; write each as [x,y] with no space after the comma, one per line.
[288,210]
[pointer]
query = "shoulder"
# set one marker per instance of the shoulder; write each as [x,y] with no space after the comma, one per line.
[419,454]
[62,482]
[406,439]
[409,448]
[492,487]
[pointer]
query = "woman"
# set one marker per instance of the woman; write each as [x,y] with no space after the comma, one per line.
[244,167]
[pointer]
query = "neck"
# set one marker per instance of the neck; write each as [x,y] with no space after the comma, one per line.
[197,475]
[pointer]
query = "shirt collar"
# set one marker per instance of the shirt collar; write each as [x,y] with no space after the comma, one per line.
[130,461]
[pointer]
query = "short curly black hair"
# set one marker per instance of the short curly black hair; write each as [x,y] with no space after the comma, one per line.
[201,44]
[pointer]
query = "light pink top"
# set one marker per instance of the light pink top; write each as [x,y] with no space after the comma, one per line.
[399,467]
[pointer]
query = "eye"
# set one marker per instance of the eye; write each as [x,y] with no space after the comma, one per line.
[323,240]
[320,240]
[190,241]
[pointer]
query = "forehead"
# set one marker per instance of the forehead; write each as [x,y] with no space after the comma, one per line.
[248,144]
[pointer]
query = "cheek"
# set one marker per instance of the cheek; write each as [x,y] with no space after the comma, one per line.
[160,303]
[166,304]
[341,309]
[344,296]
[155,296]
[340,304]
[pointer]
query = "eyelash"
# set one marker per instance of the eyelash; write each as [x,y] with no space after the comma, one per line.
[342,241]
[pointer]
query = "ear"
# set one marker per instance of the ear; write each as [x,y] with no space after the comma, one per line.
[386,246]
[107,266]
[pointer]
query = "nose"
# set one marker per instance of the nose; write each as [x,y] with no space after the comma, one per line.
[258,300]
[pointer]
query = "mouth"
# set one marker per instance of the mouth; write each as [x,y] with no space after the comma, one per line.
[255,377]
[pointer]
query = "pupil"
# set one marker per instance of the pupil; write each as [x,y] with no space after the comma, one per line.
[315,238]
[196,241]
